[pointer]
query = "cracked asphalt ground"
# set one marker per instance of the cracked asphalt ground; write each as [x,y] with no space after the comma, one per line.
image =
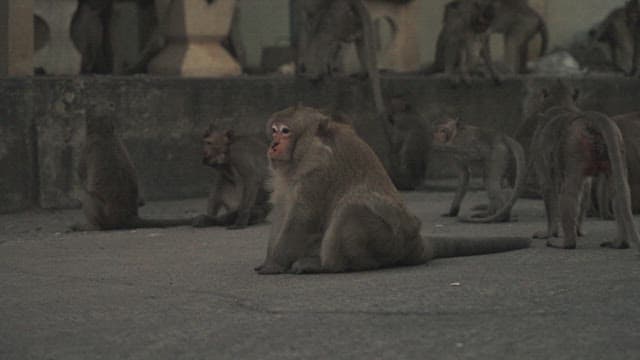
[192,293]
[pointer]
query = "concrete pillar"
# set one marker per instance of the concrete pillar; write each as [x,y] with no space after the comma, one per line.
[194,30]
[57,55]
[16,37]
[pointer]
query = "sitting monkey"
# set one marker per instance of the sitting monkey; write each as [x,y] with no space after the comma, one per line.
[335,208]
[240,187]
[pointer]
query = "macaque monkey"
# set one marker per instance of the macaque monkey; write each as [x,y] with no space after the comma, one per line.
[464,35]
[519,23]
[322,27]
[633,20]
[109,177]
[335,208]
[472,144]
[410,140]
[568,148]
[91,35]
[617,32]
[629,125]
[240,187]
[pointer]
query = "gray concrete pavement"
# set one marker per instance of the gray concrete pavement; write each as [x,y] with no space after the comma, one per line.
[186,293]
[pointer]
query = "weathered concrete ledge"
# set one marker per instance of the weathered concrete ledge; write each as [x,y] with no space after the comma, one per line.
[161,121]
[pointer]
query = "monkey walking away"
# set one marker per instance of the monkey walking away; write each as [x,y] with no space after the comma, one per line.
[490,148]
[568,148]
[240,187]
[335,208]
[322,27]
[109,177]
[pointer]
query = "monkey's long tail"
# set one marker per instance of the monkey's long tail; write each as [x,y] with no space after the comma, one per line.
[615,150]
[451,247]
[503,213]
[158,223]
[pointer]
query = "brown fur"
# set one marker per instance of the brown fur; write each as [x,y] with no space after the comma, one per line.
[569,147]
[323,26]
[472,144]
[335,208]
[465,32]
[616,32]
[519,23]
[109,177]
[241,185]
[629,125]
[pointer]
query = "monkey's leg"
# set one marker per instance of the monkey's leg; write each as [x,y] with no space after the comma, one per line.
[550,198]
[569,203]
[93,209]
[623,217]
[461,191]
[585,204]
[495,169]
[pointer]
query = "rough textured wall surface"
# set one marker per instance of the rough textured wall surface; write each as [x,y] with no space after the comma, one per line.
[161,121]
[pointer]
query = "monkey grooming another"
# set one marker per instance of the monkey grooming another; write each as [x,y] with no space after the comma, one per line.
[109,177]
[568,148]
[240,188]
[323,26]
[491,148]
[335,208]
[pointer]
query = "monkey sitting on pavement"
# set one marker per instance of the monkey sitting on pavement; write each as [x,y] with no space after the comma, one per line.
[240,187]
[335,208]
[491,148]
[110,181]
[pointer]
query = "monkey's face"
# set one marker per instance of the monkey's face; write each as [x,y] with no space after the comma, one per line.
[445,132]
[215,150]
[281,142]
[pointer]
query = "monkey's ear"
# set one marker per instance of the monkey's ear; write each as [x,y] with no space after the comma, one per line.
[323,126]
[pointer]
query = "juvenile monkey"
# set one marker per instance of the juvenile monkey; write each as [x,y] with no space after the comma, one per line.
[322,27]
[240,188]
[568,148]
[335,208]
[110,181]
[464,35]
[490,148]
[519,23]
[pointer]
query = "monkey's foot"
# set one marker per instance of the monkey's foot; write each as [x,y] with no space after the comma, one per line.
[203,221]
[269,269]
[543,234]
[560,244]
[306,266]
[615,244]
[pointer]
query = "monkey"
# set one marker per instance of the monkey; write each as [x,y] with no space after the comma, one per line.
[568,148]
[629,125]
[91,35]
[465,33]
[410,142]
[322,27]
[617,33]
[632,9]
[241,185]
[335,207]
[491,148]
[110,182]
[519,23]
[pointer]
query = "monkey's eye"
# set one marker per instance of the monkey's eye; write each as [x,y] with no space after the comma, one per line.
[285,130]
[274,129]
[208,142]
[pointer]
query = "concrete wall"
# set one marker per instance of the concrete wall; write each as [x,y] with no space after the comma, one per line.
[161,121]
